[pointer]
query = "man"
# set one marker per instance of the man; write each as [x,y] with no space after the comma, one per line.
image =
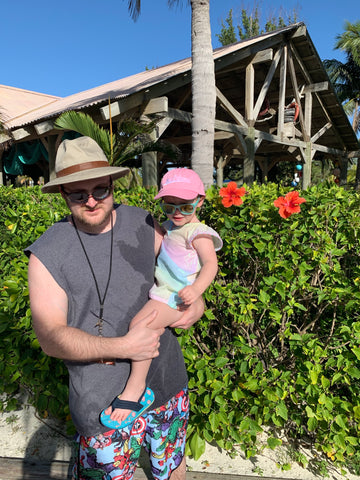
[89,274]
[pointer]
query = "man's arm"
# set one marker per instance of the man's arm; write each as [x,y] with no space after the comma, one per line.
[49,307]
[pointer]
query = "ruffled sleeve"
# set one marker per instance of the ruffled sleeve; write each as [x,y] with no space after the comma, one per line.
[196,229]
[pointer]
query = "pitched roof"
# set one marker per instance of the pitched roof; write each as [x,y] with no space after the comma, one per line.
[125,86]
[230,64]
[15,102]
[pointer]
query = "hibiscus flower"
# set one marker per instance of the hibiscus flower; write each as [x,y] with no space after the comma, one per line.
[232,195]
[289,204]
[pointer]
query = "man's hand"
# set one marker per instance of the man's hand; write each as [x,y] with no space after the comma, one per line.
[142,342]
[191,315]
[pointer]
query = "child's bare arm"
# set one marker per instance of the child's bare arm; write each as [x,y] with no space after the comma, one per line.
[206,251]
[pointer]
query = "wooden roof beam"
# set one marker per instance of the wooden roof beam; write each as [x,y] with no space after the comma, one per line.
[267,82]
[251,50]
[4,138]
[309,81]
[156,106]
[297,95]
[316,87]
[228,107]
[21,133]
[44,127]
[321,132]
[355,154]
[182,116]
[282,92]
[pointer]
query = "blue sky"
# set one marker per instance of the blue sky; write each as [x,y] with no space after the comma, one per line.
[61,48]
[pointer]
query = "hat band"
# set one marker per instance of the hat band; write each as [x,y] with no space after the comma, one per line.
[80,167]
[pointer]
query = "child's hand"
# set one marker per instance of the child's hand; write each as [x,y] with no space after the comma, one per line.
[189,294]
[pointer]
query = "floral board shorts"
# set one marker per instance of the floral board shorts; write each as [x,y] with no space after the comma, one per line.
[114,455]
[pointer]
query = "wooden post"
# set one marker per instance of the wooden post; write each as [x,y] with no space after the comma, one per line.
[149,161]
[249,94]
[282,91]
[51,148]
[306,178]
[2,179]
[149,169]
[343,165]
[249,160]
[220,171]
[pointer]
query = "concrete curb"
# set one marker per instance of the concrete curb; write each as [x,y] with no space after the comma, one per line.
[21,469]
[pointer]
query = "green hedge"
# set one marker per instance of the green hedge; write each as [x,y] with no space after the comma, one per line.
[278,346]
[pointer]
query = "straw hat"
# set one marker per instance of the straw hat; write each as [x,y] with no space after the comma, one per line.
[81,159]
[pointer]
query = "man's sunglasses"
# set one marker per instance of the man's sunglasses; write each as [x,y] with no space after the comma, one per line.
[98,194]
[184,208]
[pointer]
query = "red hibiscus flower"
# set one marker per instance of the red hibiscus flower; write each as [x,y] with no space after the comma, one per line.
[232,195]
[289,204]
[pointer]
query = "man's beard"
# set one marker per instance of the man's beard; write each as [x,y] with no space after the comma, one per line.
[83,223]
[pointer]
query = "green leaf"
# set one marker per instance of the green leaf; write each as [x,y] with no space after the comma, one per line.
[220,362]
[197,446]
[282,410]
[339,419]
[274,442]
[312,424]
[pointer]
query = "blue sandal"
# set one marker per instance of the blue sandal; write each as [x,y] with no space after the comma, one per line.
[139,407]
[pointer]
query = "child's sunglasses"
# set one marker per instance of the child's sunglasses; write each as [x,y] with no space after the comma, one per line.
[184,208]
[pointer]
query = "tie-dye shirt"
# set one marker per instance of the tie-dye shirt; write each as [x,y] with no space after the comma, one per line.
[178,263]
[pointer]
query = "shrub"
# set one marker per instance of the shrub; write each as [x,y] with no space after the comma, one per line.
[278,345]
[24,216]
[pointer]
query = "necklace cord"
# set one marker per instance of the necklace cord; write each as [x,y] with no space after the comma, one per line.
[101,300]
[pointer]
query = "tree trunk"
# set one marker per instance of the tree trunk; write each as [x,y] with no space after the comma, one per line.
[203,92]
[355,127]
[356,117]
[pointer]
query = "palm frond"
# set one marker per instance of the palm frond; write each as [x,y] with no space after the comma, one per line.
[82,123]
[134,7]
[131,139]
[349,40]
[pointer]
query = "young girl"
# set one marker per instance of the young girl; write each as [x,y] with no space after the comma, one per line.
[185,267]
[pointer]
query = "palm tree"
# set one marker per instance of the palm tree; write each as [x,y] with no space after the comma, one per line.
[203,86]
[203,92]
[346,76]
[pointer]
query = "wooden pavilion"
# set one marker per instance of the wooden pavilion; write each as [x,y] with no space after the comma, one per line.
[274,104]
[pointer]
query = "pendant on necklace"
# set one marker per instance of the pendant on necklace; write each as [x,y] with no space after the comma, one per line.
[99,325]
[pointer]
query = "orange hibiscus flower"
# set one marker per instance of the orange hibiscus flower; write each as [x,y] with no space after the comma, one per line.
[232,195]
[289,204]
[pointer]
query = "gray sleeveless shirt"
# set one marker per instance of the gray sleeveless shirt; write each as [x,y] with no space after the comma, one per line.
[93,385]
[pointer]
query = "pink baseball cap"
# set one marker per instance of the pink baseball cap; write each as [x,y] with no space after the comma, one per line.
[182,183]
